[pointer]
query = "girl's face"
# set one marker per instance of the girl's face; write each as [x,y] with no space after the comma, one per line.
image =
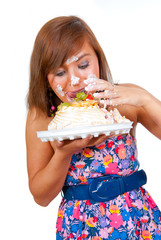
[69,78]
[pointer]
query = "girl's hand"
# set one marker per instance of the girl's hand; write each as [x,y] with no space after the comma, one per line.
[95,84]
[116,94]
[69,147]
[131,95]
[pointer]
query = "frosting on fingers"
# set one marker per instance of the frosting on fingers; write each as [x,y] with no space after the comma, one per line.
[90,87]
[91,79]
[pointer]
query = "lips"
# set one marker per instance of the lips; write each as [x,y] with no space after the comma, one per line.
[73,93]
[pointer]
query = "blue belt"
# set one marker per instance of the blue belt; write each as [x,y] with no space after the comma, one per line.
[100,190]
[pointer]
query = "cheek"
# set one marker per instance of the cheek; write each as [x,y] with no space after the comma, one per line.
[96,67]
[59,87]
[96,70]
[58,84]
[93,69]
[59,90]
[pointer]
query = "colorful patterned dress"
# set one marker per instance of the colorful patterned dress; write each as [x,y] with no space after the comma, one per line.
[133,215]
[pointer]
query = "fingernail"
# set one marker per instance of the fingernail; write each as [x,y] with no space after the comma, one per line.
[90,137]
[89,87]
[90,80]
[106,91]
[91,75]
[96,95]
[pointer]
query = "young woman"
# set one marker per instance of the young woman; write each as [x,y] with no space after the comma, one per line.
[65,54]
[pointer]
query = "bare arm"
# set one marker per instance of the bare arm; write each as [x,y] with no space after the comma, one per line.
[46,169]
[153,106]
[48,163]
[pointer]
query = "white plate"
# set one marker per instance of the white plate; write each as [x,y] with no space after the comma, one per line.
[83,132]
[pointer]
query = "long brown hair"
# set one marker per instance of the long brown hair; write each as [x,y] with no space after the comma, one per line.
[57,40]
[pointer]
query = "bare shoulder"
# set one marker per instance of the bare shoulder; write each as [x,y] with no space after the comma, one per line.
[37,119]
[38,153]
[129,85]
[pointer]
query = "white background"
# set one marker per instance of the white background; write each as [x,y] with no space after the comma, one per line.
[129,32]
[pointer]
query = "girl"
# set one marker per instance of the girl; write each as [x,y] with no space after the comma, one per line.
[65,54]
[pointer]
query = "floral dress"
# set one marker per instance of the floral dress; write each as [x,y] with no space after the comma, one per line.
[133,215]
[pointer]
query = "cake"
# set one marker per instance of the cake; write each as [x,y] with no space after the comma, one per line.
[84,113]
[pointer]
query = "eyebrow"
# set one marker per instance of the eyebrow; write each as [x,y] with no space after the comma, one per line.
[82,56]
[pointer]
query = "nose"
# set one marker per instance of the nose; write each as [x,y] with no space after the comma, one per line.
[74,80]
[74,77]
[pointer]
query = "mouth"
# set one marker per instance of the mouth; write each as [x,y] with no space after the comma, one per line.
[72,94]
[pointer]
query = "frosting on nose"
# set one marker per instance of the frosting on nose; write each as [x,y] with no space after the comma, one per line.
[74,80]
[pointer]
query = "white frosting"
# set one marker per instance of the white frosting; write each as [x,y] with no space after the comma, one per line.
[117,116]
[92,76]
[69,117]
[74,80]
[91,79]
[59,90]
[72,59]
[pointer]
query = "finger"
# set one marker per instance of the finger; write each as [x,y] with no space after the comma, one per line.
[96,80]
[99,87]
[87,139]
[114,102]
[106,95]
[98,140]
[59,143]
[101,139]
[90,81]
[109,102]
[83,142]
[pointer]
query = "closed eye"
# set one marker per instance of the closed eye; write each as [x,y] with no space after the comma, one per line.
[83,66]
[60,73]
